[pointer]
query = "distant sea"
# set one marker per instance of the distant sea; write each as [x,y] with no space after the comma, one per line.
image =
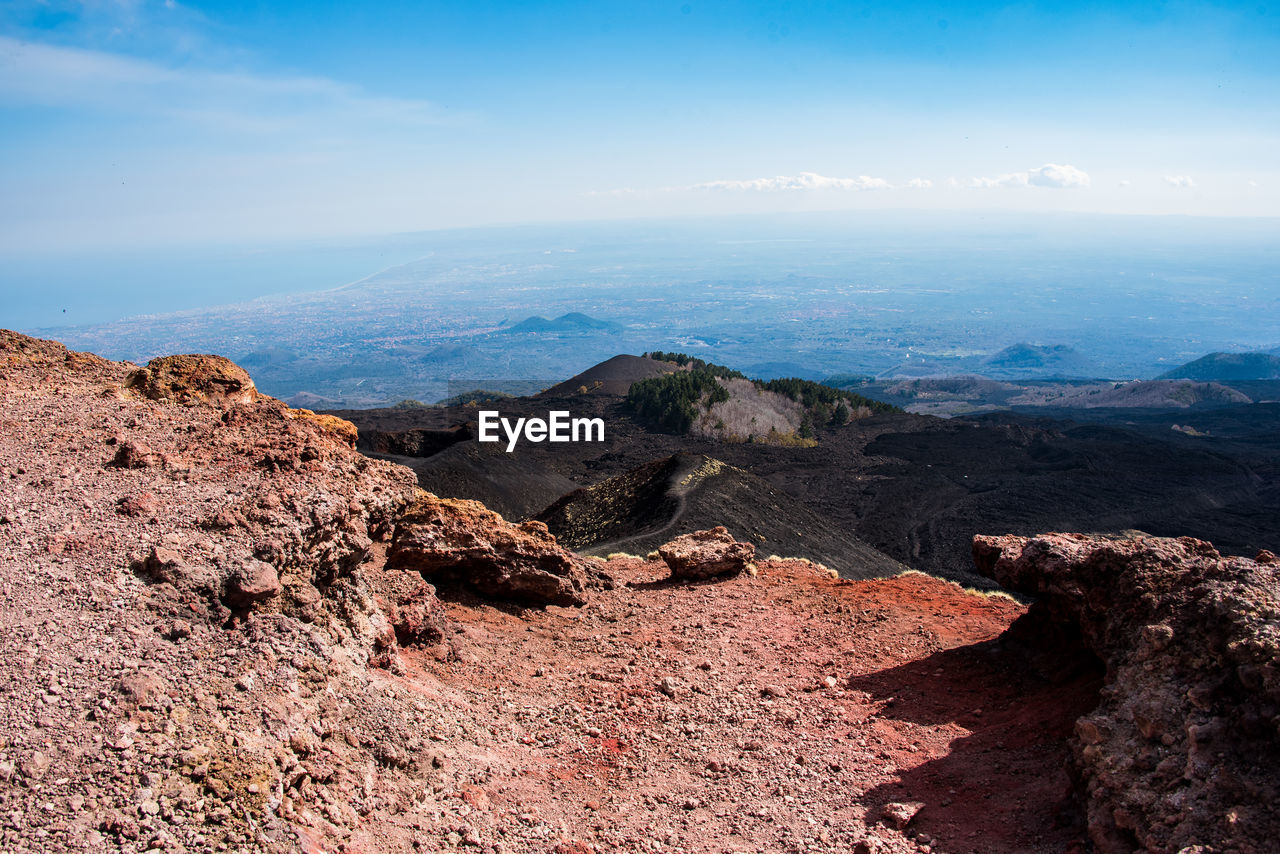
[45,290]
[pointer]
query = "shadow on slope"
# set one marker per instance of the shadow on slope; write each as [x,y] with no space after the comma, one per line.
[1003,785]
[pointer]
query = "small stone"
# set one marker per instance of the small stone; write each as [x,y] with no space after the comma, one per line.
[135,455]
[475,797]
[143,504]
[144,690]
[254,581]
[669,686]
[900,813]
[35,766]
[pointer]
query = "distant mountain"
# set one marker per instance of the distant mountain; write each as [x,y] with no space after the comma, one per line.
[1151,394]
[572,322]
[612,376]
[450,353]
[1228,366]
[1037,360]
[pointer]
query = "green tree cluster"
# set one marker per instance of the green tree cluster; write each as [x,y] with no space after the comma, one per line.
[825,404]
[670,401]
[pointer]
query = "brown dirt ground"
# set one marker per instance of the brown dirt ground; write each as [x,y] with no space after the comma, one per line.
[755,751]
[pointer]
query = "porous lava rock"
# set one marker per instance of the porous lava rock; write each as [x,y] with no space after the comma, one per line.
[1182,750]
[419,618]
[252,582]
[340,428]
[193,378]
[706,554]
[189,586]
[465,541]
[135,455]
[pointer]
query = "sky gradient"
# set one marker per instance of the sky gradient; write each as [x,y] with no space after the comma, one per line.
[140,124]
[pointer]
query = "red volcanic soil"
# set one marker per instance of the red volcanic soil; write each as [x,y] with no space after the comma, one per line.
[773,713]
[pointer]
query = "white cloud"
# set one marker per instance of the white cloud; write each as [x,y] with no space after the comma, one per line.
[47,75]
[1253,185]
[1050,175]
[1015,179]
[1124,182]
[804,182]
[1183,182]
[919,184]
[791,183]
[1058,177]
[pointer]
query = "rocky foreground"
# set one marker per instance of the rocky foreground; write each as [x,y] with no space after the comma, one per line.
[1184,747]
[226,630]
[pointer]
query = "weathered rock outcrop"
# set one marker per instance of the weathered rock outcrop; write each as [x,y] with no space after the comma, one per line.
[465,541]
[193,379]
[1183,748]
[706,554]
[192,571]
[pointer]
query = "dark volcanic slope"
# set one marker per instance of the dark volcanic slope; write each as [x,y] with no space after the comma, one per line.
[506,483]
[613,376]
[641,509]
[918,488]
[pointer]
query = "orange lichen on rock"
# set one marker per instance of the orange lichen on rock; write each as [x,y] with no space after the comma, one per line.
[191,379]
[332,424]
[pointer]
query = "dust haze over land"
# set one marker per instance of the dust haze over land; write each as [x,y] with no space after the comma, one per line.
[901,294]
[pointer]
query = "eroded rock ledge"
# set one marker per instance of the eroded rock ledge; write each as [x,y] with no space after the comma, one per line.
[1182,751]
[466,541]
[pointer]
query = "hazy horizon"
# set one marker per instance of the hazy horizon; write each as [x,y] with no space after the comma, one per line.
[52,290]
[815,294]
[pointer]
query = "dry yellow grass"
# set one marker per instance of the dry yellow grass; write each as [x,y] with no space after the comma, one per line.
[972,591]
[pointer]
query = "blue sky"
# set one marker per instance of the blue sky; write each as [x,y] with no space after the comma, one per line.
[129,123]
